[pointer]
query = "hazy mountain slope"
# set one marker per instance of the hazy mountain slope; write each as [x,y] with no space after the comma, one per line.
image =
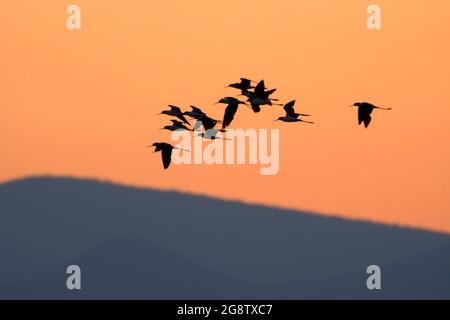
[46,223]
[125,268]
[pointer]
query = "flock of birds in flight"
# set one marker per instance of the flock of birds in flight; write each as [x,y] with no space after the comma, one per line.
[257,96]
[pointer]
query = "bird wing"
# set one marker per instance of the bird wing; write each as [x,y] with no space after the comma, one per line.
[255,107]
[196,109]
[246,82]
[228,116]
[158,147]
[289,107]
[360,115]
[260,87]
[208,123]
[265,95]
[364,116]
[367,105]
[367,121]
[176,123]
[174,108]
[166,157]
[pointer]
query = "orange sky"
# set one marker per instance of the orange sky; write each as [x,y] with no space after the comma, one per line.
[83,103]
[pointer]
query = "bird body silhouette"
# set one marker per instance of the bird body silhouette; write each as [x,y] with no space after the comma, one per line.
[259,96]
[365,110]
[195,113]
[230,110]
[166,152]
[176,125]
[207,122]
[244,85]
[291,115]
[175,111]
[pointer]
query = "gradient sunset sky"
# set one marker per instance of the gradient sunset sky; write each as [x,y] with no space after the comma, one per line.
[83,103]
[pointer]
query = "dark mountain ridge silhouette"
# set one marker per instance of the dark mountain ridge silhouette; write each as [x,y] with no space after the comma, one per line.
[149,244]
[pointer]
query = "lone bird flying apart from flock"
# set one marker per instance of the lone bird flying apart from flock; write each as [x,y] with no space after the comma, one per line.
[166,152]
[291,115]
[176,112]
[230,110]
[364,111]
[176,125]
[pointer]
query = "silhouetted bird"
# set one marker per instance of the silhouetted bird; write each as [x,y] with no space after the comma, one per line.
[176,112]
[259,96]
[166,151]
[289,108]
[195,113]
[176,125]
[291,115]
[364,111]
[230,110]
[207,122]
[202,119]
[244,85]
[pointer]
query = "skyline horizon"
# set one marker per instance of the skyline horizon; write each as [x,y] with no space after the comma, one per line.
[332,215]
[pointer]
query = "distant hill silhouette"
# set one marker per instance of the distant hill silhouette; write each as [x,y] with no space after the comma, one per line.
[148,244]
